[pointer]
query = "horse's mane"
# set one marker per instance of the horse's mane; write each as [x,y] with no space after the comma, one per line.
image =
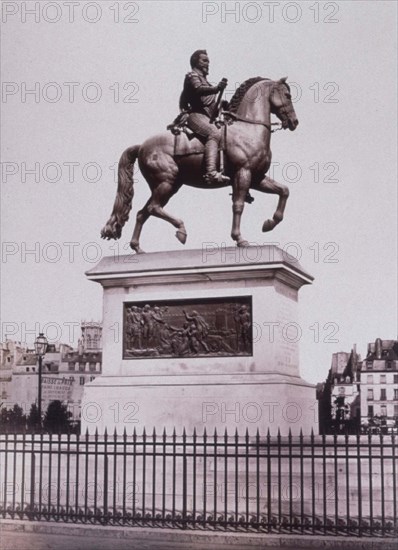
[241,91]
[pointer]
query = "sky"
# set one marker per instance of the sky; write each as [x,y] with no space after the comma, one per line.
[83,81]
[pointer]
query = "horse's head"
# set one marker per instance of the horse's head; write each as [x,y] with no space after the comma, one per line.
[281,104]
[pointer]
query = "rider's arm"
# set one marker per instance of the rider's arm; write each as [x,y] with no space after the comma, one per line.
[198,87]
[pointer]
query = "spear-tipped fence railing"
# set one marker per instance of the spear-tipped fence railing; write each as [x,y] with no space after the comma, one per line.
[342,485]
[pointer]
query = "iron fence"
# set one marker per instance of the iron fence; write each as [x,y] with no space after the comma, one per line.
[342,485]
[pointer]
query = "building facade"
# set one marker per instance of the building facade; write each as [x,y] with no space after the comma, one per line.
[65,371]
[379,386]
[361,395]
[339,396]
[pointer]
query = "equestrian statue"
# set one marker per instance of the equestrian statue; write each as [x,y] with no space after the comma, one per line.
[208,152]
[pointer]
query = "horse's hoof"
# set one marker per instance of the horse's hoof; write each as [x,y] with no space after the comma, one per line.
[181,236]
[243,243]
[268,225]
[136,249]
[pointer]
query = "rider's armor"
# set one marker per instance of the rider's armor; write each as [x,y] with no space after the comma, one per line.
[198,95]
[199,99]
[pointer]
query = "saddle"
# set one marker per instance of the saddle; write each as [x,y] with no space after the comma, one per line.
[179,127]
[183,136]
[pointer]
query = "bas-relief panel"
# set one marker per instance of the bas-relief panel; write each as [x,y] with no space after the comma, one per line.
[219,327]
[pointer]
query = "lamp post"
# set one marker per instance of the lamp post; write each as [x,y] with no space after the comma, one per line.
[40,350]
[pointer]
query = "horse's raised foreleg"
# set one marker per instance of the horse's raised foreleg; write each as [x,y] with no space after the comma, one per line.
[161,194]
[241,186]
[268,185]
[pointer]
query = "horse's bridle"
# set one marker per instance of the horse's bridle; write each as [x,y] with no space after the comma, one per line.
[248,120]
[283,112]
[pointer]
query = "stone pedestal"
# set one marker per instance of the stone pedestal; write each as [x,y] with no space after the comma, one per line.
[221,384]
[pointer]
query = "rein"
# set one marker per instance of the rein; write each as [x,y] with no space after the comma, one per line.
[251,121]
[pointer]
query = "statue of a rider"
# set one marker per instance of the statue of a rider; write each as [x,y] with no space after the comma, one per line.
[199,99]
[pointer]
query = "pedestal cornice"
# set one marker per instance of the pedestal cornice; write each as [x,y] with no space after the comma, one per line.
[200,266]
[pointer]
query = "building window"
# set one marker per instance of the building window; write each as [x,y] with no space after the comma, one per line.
[341,391]
[27,369]
[369,379]
[395,394]
[81,367]
[395,378]
[82,380]
[92,378]
[383,410]
[383,379]
[370,394]
[369,365]
[92,367]
[71,367]
[396,410]
[383,394]
[370,411]
[9,359]
[389,365]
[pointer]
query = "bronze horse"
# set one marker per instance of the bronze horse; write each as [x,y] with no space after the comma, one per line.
[247,160]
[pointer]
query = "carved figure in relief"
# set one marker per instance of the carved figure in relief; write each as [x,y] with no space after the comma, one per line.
[134,324]
[150,318]
[201,327]
[244,326]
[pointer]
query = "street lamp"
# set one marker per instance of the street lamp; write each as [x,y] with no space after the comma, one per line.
[40,350]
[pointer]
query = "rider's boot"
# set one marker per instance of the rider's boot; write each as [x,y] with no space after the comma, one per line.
[212,175]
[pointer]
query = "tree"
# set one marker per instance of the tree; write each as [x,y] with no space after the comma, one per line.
[4,419]
[17,419]
[57,417]
[33,420]
[12,420]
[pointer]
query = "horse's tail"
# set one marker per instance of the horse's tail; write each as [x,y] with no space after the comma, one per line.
[124,195]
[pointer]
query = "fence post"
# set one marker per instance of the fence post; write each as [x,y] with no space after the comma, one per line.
[154,454]
[394,482]
[105,476]
[32,484]
[359,485]
[194,477]
[5,472]
[184,479]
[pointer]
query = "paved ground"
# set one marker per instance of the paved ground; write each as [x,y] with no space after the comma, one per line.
[37,541]
[24,535]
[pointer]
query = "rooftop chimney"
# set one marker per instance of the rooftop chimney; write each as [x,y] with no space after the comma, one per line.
[378,348]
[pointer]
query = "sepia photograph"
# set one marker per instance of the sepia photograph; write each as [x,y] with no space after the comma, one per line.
[199,257]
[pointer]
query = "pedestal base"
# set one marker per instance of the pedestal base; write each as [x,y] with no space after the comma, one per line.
[201,339]
[255,401]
